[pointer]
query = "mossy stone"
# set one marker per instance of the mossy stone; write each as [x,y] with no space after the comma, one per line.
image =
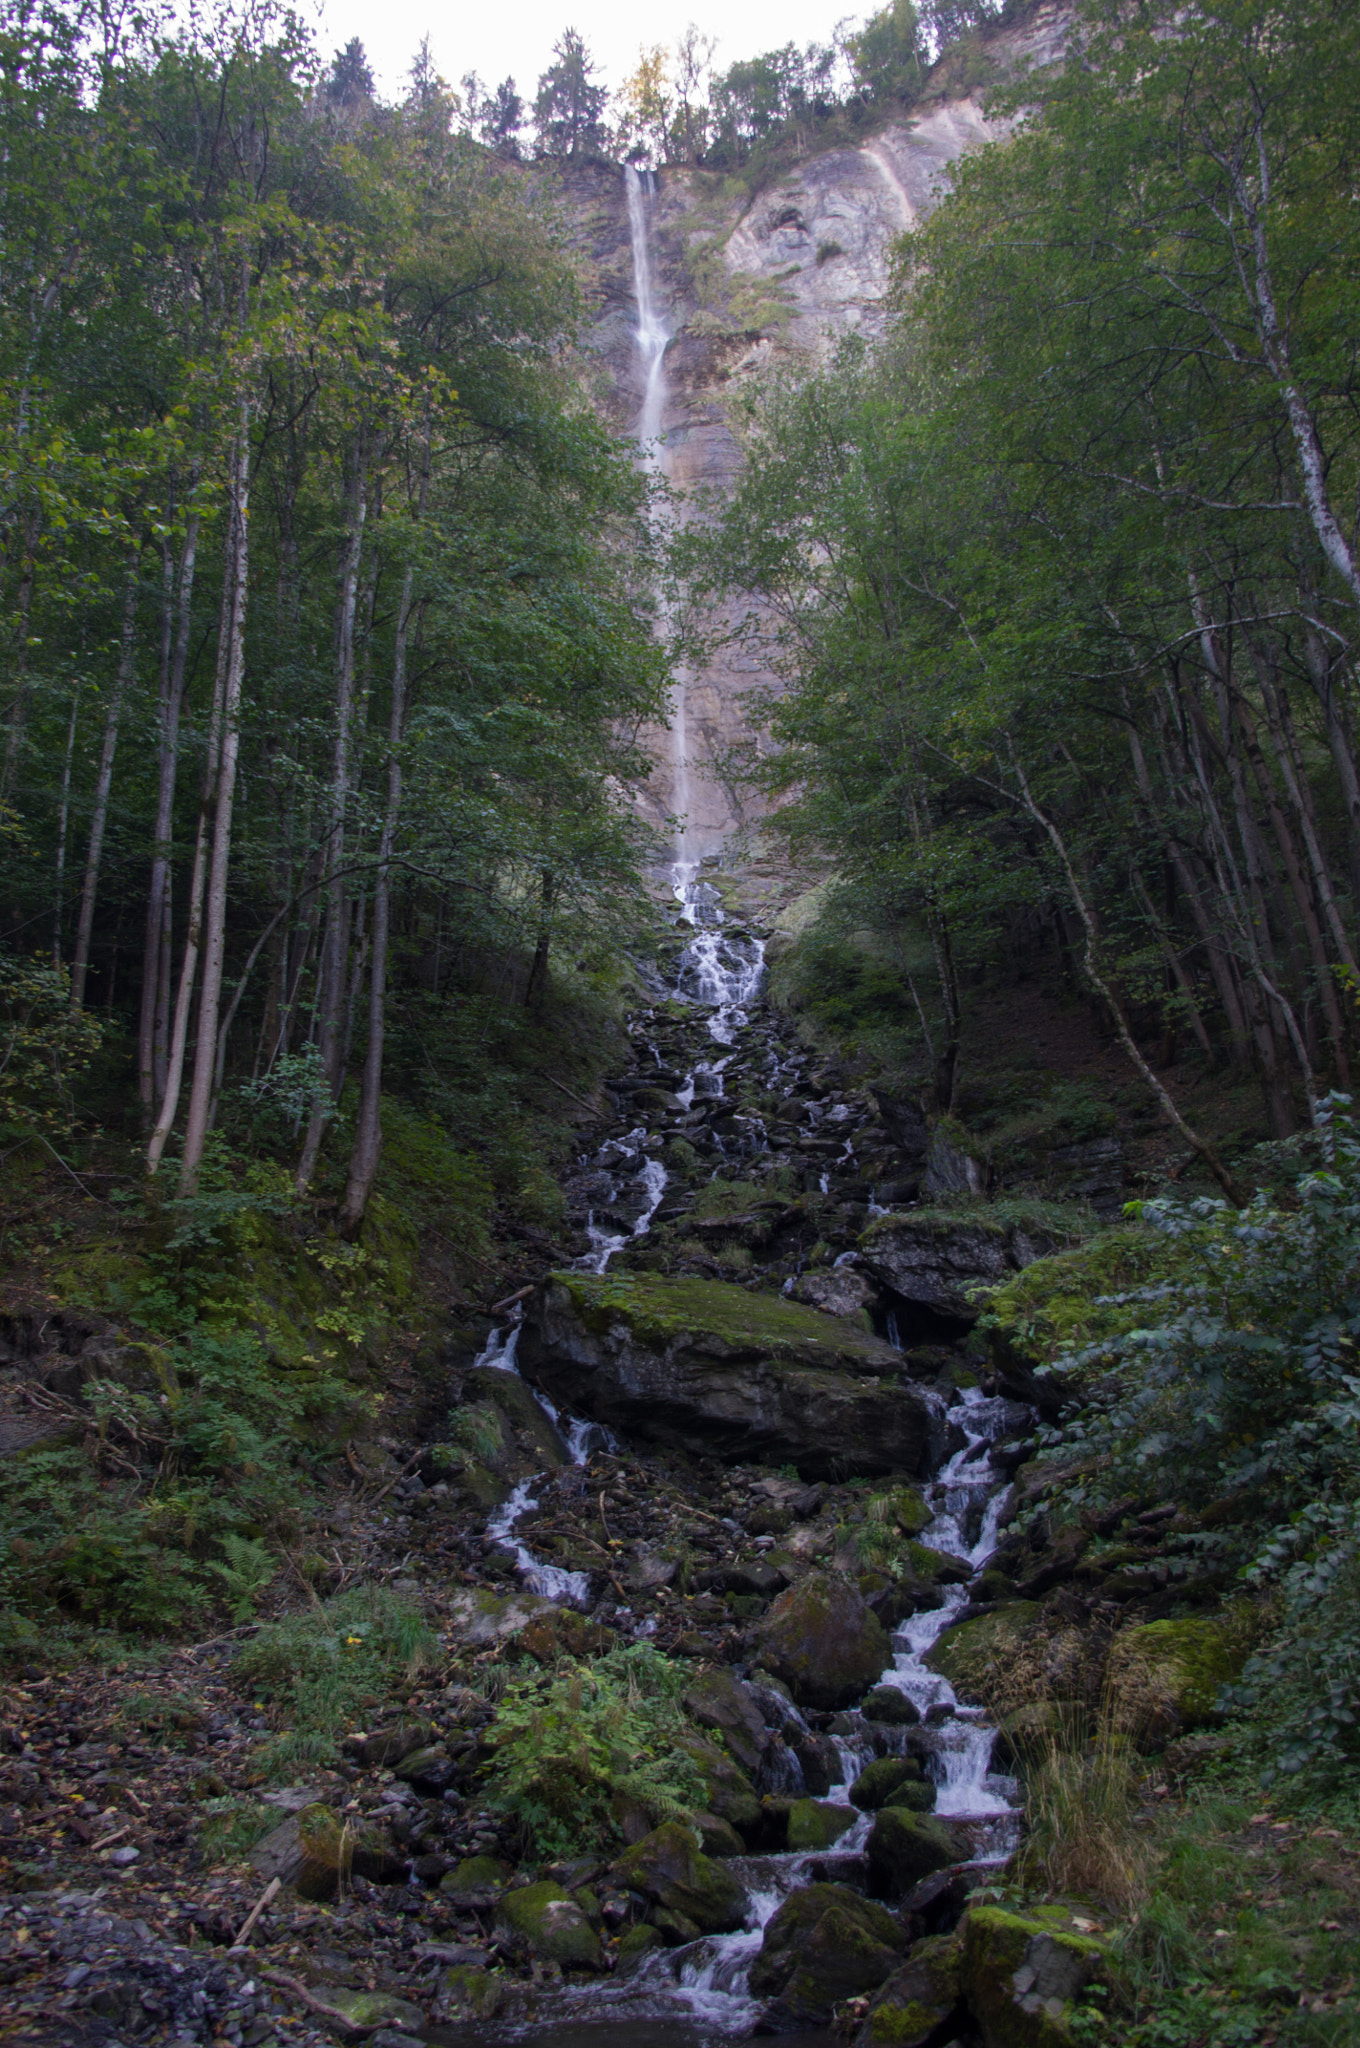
[476,1877]
[879,1783]
[891,1706]
[912,2007]
[470,1993]
[975,1655]
[825,1944]
[548,1921]
[823,1641]
[905,1847]
[728,1790]
[1179,1666]
[718,1837]
[1019,1975]
[669,1867]
[635,1944]
[370,2009]
[816,1823]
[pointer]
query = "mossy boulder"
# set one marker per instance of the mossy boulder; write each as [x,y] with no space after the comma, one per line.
[1167,1674]
[882,1782]
[717,1700]
[471,1994]
[314,1850]
[905,1847]
[889,1705]
[1019,1976]
[937,1565]
[476,1881]
[368,2010]
[824,1945]
[669,1868]
[729,1792]
[821,1639]
[718,1837]
[816,1823]
[1061,1304]
[532,1435]
[636,1943]
[911,2008]
[975,1656]
[549,1923]
[719,1370]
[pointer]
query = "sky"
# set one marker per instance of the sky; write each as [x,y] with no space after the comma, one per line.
[514,38]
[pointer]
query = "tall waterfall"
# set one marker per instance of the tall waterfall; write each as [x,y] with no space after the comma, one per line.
[650,337]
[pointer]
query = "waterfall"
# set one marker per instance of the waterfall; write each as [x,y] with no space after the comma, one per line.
[650,338]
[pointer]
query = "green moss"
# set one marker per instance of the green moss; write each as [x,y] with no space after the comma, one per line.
[1063,1302]
[974,1655]
[1020,1974]
[1187,1662]
[658,1310]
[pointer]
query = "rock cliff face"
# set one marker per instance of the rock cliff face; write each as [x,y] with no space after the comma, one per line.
[748,279]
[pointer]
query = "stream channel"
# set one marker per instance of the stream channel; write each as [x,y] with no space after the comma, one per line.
[699,1994]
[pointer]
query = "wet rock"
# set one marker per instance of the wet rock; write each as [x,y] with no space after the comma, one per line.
[911,2009]
[547,1921]
[469,1993]
[936,1261]
[476,1883]
[508,1392]
[905,1847]
[888,1704]
[949,1170]
[729,1792]
[669,1868]
[720,1370]
[635,1944]
[717,1837]
[366,2010]
[975,1655]
[815,1824]
[1019,1977]
[431,1770]
[880,1783]
[822,1640]
[819,1760]
[719,1701]
[840,1291]
[824,1945]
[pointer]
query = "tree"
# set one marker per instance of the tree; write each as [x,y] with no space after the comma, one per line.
[569,106]
[349,82]
[646,109]
[692,71]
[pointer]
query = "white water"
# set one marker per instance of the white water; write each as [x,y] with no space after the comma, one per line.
[716,969]
[651,336]
[550,1581]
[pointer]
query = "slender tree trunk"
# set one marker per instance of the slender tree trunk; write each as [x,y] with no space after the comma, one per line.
[215,914]
[1176,965]
[127,650]
[18,710]
[1225,1180]
[151,1029]
[331,988]
[63,820]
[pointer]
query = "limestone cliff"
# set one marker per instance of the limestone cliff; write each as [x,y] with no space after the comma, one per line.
[748,278]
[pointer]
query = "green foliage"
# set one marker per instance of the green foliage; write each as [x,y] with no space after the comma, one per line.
[231,1827]
[246,1567]
[319,1669]
[565,1742]
[44,1045]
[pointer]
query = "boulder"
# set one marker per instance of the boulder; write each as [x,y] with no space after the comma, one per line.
[816,1824]
[730,1793]
[476,1882]
[717,1837]
[368,2010]
[824,1945]
[949,1169]
[905,1847]
[936,1261]
[314,1850]
[481,1619]
[1166,1675]
[717,1370]
[669,1868]
[526,1416]
[890,1705]
[549,1923]
[470,1993]
[818,1759]
[838,1291]
[715,1699]
[879,1783]
[917,1999]
[822,1640]
[1019,1976]
[389,1745]
[431,1770]
[975,1654]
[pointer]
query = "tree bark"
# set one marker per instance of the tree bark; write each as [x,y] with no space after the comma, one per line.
[63,819]
[152,1023]
[127,650]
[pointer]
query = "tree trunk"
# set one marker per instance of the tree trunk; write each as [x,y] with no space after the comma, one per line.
[63,819]
[152,1023]
[331,988]
[127,650]
[215,915]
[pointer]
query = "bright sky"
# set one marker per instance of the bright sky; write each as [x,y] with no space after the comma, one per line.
[514,38]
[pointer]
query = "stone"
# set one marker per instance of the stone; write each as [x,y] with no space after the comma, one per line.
[526,1416]
[912,2008]
[816,1823]
[839,1291]
[825,1944]
[313,1850]
[548,1921]
[1023,1735]
[905,1847]
[949,1169]
[470,1993]
[387,1746]
[1019,1976]
[669,1868]
[937,1261]
[974,1655]
[371,2009]
[636,1943]
[818,1759]
[728,1791]
[481,1619]
[718,1837]
[717,1700]
[476,1881]
[879,1783]
[890,1705]
[429,1770]
[719,1370]
[1166,1675]
[823,1641]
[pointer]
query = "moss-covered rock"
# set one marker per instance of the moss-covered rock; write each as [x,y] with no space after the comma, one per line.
[721,1370]
[468,1993]
[729,1793]
[889,1705]
[1064,1303]
[822,1640]
[476,1880]
[368,2010]
[816,1823]
[975,1655]
[905,1847]
[636,1943]
[1167,1674]
[532,1433]
[912,2007]
[824,1945]
[669,1868]
[1019,1976]
[717,1700]
[717,1837]
[879,1782]
[549,1923]
[315,1850]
